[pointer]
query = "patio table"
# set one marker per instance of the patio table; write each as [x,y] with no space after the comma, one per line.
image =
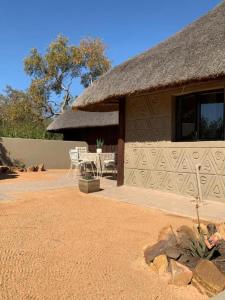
[97,160]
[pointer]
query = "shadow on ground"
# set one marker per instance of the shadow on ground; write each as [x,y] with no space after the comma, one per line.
[9,175]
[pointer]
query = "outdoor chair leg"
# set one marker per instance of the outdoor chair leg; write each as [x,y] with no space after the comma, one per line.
[92,169]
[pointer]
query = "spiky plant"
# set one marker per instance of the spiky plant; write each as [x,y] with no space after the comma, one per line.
[99,143]
[198,248]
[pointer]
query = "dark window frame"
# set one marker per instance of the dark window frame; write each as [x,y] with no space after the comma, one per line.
[178,134]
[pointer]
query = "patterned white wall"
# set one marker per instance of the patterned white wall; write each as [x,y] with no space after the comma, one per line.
[153,161]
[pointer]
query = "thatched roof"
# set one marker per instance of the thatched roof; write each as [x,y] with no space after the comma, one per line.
[82,119]
[193,54]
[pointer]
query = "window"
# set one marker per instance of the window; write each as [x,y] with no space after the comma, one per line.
[200,116]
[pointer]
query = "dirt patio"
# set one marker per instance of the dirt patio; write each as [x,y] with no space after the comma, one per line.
[57,243]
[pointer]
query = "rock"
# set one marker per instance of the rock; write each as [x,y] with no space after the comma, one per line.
[151,252]
[211,229]
[152,267]
[161,263]
[4,169]
[198,286]
[185,235]
[173,252]
[181,275]
[41,167]
[207,275]
[189,261]
[32,169]
[167,234]
[220,263]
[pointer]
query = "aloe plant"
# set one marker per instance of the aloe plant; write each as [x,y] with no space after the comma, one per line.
[99,143]
[198,248]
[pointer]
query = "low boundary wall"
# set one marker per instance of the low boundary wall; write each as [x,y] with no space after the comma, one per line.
[53,153]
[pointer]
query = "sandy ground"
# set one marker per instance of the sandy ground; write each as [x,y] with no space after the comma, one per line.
[61,244]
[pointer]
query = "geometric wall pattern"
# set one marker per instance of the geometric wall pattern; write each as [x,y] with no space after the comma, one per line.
[152,160]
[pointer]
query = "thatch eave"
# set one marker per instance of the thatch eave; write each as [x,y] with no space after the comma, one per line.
[192,55]
[111,103]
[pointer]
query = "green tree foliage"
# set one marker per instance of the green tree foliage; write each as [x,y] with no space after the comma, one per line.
[54,72]
[21,117]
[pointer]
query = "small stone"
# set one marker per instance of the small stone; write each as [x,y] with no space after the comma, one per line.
[209,277]
[181,275]
[41,167]
[151,252]
[161,263]
[32,168]
[173,252]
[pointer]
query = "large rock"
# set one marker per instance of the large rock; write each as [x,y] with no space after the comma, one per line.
[161,263]
[173,252]
[189,261]
[220,263]
[185,235]
[151,252]
[167,234]
[181,275]
[207,275]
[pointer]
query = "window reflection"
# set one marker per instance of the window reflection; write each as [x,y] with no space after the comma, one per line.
[200,116]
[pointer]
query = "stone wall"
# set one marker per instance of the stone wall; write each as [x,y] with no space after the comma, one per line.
[153,160]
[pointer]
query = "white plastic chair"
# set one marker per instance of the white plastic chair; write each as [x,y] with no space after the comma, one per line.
[109,162]
[74,160]
[81,150]
[105,161]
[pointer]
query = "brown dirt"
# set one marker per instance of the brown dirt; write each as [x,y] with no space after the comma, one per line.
[66,245]
[32,176]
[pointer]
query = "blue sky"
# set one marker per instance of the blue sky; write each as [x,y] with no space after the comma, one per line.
[128,27]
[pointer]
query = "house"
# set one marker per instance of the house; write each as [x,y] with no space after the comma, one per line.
[88,126]
[171,111]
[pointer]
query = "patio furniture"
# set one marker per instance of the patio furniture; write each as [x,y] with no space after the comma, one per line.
[81,150]
[110,162]
[88,159]
[74,160]
[105,161]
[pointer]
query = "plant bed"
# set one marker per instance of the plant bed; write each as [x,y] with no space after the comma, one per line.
[89,184]
[191,255]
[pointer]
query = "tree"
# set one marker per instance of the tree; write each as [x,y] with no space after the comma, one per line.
[20,116]
[55,71]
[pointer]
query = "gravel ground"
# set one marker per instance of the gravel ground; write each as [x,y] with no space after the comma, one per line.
[33,182]
[61,244]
